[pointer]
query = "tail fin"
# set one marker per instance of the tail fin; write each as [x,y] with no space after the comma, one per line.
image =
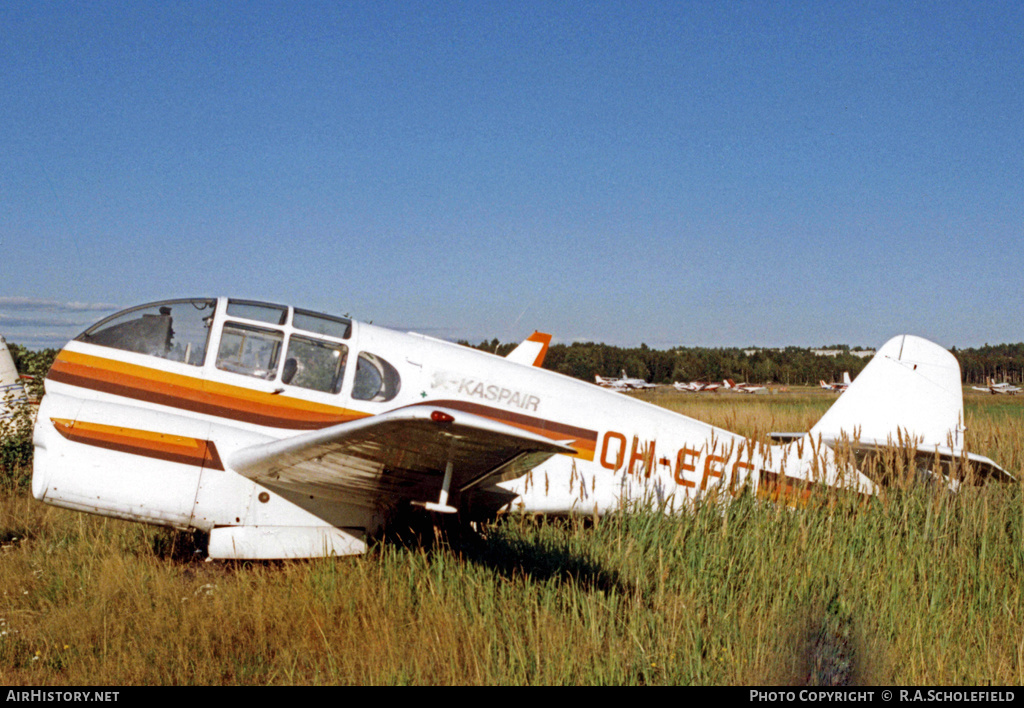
[911,386]
[909,392]
[8,371]
[532,350]
[12,390]
[846,378]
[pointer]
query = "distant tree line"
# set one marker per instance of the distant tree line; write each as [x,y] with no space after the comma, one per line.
[584,360]
[1002,362]
[789,366]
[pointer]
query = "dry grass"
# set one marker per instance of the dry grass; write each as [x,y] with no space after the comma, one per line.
[915,587]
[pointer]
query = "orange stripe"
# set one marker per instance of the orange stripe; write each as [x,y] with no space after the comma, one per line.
[248,405]
[545,340]
[190,393]
[162,446]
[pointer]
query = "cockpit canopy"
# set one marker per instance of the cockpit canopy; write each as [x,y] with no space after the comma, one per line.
[295,347]
[178,330]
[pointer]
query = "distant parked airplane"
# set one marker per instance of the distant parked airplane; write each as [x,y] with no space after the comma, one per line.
[995,388]
[743,387]
[622,384]
[696,387]
[835,386]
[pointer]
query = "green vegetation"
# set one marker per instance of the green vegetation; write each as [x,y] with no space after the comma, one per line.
[915,586]
[1002,362]
[32,363]
[790,366]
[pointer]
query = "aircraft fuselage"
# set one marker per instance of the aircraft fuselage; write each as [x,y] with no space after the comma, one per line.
[144,412]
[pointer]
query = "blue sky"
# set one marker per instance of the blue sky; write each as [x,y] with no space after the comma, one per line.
[674,173]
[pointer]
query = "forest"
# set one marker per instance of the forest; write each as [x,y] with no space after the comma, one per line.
[789,366]
[796,366]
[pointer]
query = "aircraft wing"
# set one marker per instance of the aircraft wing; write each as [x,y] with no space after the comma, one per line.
[381,461]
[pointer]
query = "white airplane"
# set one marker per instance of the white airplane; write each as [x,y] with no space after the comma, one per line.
[623,384]
[998,388]
[286,433]
[696,387]
[731,385]
[12,390]
[837,386]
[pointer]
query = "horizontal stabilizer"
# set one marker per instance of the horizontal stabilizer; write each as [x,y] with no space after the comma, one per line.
[950,461]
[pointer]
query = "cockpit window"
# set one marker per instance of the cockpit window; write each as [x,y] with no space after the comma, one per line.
[249,350]
[376,379]
[177,330]
[314,364]
[259,311]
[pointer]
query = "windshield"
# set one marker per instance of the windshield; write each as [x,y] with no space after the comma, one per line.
[177,330]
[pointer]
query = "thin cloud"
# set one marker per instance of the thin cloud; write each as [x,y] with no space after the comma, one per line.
[39,340]
[28,321]
[33,303]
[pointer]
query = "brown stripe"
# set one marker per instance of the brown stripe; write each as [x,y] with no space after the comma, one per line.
[586,439]
[792,490]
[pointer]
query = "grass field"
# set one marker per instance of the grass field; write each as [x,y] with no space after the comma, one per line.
[914,587]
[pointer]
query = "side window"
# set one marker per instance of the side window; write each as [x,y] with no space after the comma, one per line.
[177,330]
[316,323]
[314,364]
[248,350]
[259,311]
[376,379]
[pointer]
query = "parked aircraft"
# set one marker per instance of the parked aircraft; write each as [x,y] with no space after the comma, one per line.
[838,386]
[283,432]
[623,384]
[998,388]
[12,390]
[696,387]
[731,385]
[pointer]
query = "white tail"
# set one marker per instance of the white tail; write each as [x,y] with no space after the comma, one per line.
[12,392]
[910,388]
[909,394]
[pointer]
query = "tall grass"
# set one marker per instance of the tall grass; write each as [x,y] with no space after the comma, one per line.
[915,586]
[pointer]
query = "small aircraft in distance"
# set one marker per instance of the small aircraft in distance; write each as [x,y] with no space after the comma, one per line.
[838,386]
[696,387]
[623,384]
[731,385]
[286,433]
[998,388]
